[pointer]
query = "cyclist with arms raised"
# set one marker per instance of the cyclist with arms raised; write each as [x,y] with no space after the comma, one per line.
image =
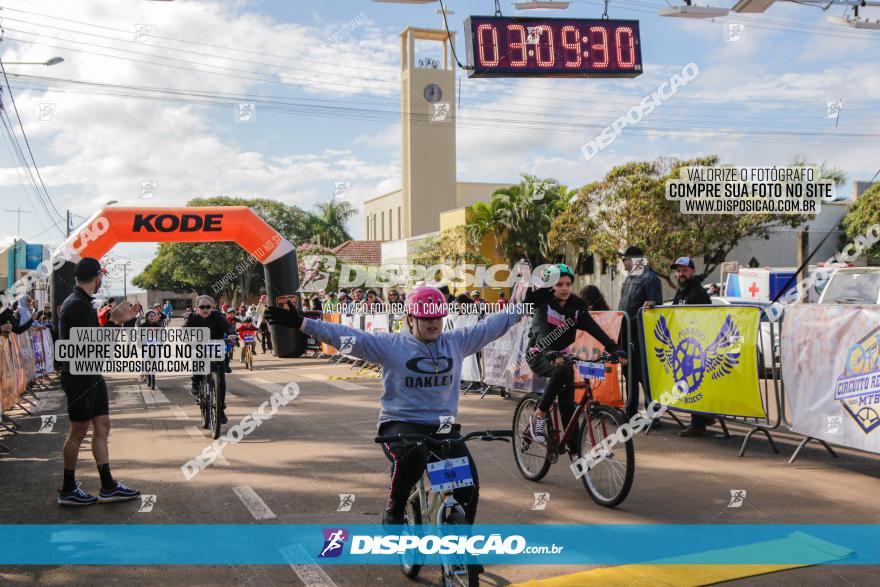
[560,313]
[421,375]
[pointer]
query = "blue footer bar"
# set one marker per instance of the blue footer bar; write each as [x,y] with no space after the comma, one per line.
[282,544]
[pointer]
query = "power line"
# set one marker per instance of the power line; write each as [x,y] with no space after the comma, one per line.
[26,142]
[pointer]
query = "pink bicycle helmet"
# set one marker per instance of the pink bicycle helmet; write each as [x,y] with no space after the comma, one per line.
[426,302]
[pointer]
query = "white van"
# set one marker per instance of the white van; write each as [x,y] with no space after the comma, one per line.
[853,285]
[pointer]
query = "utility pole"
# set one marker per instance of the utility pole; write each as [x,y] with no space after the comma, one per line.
[803,251]
[18,224]
[125,267]
[69,223]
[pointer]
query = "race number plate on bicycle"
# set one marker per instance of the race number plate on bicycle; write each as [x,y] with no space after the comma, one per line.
[591,370]
[249,339]
[450,474]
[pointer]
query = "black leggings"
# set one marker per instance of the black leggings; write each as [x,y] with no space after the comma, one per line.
[560,385]
[408,462]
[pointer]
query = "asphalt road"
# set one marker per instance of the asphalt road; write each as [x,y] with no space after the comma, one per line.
[292,469]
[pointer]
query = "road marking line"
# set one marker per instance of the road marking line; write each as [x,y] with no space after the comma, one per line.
[346,385]
[154,396]
[256,506]
[309,573]
[266,385]
[178,412]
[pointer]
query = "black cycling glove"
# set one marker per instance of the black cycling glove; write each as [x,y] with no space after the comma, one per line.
[289,317]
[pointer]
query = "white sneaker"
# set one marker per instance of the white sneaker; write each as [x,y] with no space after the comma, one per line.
[536,428]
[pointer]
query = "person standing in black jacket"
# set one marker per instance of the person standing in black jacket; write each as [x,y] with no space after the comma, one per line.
[690,292]
[639,289]
[87,401]
[559,314]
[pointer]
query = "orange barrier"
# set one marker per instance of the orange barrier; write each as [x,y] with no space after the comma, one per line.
[14,378]
[333,319]
[21,362]
[609,392]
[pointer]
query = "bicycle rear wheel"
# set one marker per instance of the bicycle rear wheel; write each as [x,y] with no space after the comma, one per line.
[609,480]
[532,458]
[249,359]
[455,573]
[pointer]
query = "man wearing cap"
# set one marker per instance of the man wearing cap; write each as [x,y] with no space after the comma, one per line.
[87,401]
[691,292]
[640,288]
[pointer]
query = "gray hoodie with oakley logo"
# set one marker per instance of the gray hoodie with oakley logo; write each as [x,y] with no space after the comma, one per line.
[422,380]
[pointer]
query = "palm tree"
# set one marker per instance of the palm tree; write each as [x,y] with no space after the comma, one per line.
[328,224]
[523,214]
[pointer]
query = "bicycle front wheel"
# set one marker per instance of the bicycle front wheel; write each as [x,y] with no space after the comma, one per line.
[215,405]
[205,393]
[609,480]
[532,458]
[455,572]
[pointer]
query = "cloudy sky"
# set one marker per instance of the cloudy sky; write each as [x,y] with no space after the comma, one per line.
[150,92]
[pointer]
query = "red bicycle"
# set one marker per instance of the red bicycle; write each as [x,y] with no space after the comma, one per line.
[610,478]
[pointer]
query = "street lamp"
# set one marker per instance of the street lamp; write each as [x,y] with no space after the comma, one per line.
[48,62]
[111,202]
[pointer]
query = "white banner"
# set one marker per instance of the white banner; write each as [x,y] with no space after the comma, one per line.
[470,368]
[48,351]
[504,361]
[831,370]
[376,323]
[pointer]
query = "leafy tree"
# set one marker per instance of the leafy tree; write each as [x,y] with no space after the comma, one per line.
[863,214]
[327,227]
[629,207]
[521,217]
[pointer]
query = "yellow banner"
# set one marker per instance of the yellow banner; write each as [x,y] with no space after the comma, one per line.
[711,349]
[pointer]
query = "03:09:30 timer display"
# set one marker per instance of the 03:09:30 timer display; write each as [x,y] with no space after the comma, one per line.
[539,47]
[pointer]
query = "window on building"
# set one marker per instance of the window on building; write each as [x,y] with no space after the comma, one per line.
[399,223]
[390,226]
[368,228]
[605,264]
[382,216]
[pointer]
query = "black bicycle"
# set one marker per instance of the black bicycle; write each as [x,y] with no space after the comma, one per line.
[439,504]
[212,387]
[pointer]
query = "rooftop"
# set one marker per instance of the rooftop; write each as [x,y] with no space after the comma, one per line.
[360,252]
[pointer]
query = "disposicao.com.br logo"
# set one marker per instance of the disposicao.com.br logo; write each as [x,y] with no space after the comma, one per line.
[430,544]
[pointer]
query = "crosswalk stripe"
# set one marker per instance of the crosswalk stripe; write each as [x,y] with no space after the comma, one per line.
[256,506]
[154,396]
[266,385]
[178,412]
[309,573]
[346,385]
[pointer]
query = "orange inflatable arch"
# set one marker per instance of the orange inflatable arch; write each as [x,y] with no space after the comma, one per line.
[237,224]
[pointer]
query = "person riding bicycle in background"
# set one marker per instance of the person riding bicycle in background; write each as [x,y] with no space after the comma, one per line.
[558,315]
[206,316]
[421,376]
[247,328]
[153,324]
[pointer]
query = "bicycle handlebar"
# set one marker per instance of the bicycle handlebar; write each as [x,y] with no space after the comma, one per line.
[437,443]
[571,359]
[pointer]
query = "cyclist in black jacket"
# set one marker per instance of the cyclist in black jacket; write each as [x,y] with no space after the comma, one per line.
[206,316]
[559,314]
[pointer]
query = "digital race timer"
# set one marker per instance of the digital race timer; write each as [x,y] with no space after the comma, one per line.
[542,47]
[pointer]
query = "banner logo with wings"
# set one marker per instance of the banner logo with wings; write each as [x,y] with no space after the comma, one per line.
[690,362]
